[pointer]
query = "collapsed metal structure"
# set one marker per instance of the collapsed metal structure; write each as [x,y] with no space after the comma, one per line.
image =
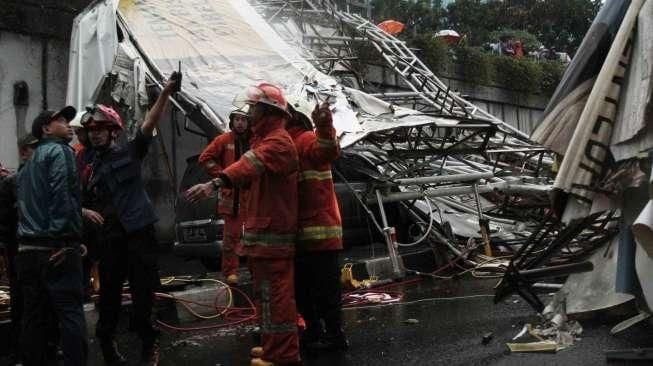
[475,189]
[467,167]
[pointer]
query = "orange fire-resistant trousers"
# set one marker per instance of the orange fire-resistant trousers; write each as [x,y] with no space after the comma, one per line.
[275,290]
[231,246]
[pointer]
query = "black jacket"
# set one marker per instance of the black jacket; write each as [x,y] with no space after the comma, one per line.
[8,210]
[116,188]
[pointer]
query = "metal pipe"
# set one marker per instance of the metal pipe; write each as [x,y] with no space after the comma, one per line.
[456,191]
[477,198]
[336,38]
[556,271]
[459,206]
[389,238]
[439,237]
[444,178]
[547,286]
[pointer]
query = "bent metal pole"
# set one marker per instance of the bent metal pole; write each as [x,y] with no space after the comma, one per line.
[397,268]
[511,187]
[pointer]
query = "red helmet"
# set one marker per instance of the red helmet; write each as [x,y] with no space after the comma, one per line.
[101,114]
[268,94]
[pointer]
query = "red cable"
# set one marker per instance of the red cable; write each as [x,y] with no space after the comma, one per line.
[451,262]
[235,316]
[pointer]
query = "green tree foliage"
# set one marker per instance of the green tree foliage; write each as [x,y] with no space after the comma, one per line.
[521,75]
[551,75]
[478,67]
[556,23]
[418,15]
[562,23]
[433,51]
[553,23]
[474,65]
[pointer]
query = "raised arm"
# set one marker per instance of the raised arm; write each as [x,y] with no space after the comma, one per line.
[154,115]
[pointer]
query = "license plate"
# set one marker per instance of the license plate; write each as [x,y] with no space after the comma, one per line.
[194,234]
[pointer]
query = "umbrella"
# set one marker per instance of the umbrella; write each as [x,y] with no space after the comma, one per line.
[450,36]
[392,27]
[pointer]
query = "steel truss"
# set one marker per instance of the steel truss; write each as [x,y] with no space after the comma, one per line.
[332,35]
[426,150]
[552,246]
[416,164]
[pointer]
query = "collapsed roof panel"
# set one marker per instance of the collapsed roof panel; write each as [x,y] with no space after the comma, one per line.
[220,46]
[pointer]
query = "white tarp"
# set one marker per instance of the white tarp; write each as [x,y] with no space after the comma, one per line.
[633,133]
[643,226]
[588,147]
[595,290]
[224,46]
[93,45]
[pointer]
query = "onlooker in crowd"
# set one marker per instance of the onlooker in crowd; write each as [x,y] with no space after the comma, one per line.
[84,156]
[507,47]
[519,49]
[8,226]
[48,263]
[552,54]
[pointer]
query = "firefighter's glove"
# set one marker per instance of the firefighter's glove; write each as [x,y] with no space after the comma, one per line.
[203,191]
[322,116]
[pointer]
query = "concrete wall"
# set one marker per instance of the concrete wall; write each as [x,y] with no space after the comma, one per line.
[21,59]
[520,110]
[30,31]
[34,44]
[517,109]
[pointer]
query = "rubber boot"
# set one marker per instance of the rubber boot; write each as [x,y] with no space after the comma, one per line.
[261,362]
[256,352]
[232,280]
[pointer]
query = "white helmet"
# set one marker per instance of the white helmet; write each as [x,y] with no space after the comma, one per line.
[242,111]
[77,121]
[301,105]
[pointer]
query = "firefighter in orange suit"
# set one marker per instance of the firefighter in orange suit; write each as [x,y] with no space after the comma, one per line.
[223,151]
[269,169]
[319,241]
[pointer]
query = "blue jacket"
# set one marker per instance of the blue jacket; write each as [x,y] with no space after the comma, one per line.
[48,195]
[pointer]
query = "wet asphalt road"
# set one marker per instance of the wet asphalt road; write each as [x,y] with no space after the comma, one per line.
[452,317]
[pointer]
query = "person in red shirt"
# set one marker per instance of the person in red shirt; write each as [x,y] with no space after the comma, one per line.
[319,239]
[269,170]
[223,151]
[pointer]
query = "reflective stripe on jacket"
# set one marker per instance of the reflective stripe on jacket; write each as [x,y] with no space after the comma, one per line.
[270,171]
[223,151]
[320,224]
